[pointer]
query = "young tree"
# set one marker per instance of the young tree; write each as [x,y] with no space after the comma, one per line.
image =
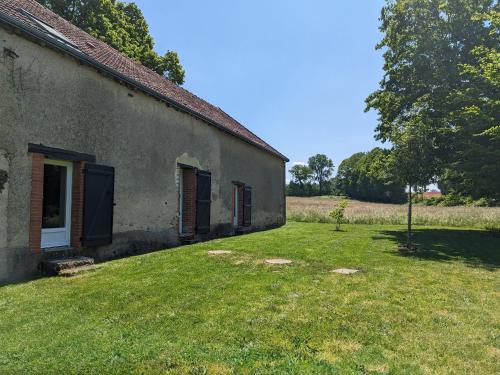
[122,26]
[414,160]
[338,213]
[322,168]
[301,174]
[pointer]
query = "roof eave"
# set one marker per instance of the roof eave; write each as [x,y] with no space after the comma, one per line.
[54,43]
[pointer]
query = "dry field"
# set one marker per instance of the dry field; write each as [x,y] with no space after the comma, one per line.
[316,209]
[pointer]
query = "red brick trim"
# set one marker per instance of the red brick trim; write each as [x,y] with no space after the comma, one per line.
[188,200]
[232,205]
[36,210]
[77,204]
[241,204]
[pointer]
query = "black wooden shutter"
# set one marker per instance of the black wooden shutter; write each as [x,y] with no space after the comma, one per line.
[203,194]
[98,205]
[247,206]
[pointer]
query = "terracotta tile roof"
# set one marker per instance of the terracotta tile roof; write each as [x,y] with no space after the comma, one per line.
[110,58]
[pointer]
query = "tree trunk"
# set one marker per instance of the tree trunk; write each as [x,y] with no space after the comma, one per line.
[408,241]
[320,189]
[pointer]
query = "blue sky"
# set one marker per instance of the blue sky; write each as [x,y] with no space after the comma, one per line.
[295,72]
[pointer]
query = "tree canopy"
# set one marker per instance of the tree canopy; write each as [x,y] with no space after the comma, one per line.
[368,176]
[301,174]
[442,75]
[122,26]
[322,168]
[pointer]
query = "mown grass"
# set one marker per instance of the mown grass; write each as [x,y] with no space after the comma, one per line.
[316,210]
[435,311]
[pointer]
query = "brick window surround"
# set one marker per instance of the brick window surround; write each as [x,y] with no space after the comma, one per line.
[241,195]
[35,233]
[36,201]
[188,200]
[77,204]
[240,187]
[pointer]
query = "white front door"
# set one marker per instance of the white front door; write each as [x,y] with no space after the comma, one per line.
[56,220]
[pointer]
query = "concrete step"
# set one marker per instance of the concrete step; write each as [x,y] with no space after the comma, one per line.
[66,266]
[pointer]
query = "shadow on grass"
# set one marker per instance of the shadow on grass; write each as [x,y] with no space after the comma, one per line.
[474,247]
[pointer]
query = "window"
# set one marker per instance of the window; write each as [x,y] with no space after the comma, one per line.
[56,204]
[238,196]
[54,196]
[61,182]
[49,29]
[242,205]
[195,192]
[187,200]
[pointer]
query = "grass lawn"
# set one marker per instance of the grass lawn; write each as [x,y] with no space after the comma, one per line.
[182,311]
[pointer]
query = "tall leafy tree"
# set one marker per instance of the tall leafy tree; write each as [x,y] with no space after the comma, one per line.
[347,179]
[322,168]
[301,174]
[475,170]
[123,26]
[441,67]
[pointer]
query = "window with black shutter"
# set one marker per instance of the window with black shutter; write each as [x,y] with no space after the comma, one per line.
[247,206]
[203,195]
[98,205]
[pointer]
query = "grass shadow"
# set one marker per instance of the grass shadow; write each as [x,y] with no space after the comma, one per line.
[476,248]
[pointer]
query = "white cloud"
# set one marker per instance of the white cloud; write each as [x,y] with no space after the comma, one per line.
[298,163]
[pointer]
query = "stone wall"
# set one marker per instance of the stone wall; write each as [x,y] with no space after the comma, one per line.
[49,98]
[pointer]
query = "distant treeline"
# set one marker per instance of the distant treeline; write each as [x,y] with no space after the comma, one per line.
[369,176]
[362,176]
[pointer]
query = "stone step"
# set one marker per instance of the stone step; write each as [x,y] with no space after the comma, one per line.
[190,241]
[75,271]
[188,238]
[66,265]
[243,230]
